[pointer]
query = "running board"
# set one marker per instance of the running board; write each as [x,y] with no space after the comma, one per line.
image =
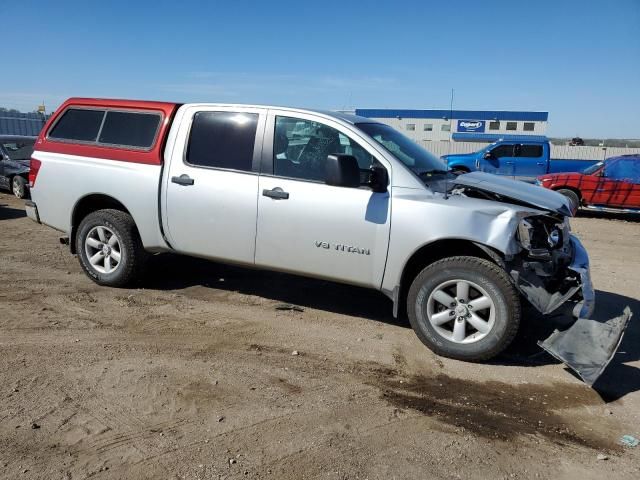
[597,208]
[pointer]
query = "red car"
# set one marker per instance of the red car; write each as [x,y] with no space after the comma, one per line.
[613,184]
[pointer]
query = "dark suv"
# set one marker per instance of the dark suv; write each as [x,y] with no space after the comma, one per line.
[15,154]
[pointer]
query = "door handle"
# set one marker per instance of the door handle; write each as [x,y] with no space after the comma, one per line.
[508,163]
[541,164]
[277,194]
[183,179]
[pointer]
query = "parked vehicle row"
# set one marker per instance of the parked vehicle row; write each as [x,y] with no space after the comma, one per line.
[15,156]
[322,194]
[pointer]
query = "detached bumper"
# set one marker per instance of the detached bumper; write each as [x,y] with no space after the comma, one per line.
[32,211]
[589,344]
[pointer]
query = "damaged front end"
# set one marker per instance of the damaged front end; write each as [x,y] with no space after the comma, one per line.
[552,270]
[553,266]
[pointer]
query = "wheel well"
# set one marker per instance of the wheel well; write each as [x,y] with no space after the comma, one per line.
[433,252]
[87,205]
[460,168]
[574,190]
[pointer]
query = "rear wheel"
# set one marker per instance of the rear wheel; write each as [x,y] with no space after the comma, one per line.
[109,248]
[19,186]
[572,196]
[464,308]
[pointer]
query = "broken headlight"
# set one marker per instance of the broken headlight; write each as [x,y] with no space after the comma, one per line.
[540,235]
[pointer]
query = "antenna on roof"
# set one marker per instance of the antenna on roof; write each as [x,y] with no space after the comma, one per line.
[446,186]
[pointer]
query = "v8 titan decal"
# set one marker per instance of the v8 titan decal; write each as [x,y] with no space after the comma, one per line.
[342,248]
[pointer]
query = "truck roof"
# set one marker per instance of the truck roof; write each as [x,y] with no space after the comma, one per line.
[167,109]
[155,105]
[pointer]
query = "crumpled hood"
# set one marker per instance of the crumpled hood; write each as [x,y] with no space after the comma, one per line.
[522,192]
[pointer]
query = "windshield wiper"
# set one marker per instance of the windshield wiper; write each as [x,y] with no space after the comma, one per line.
[427,173]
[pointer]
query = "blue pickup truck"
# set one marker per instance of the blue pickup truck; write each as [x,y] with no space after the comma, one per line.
[521,158]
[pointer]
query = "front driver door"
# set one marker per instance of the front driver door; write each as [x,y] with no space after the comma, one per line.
[501,160]
[308,227]
[619,184]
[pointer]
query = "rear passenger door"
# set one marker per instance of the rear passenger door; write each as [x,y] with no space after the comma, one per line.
[212,183]
[530,161]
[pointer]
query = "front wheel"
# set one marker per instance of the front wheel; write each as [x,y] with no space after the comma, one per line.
[19,186]
[109,248]
[465,308]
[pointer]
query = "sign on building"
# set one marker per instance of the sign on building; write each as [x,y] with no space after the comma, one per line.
[476,126]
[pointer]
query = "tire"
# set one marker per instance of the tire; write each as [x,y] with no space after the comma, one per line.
[126,255]
[572,196]
[19,186]
[500,320]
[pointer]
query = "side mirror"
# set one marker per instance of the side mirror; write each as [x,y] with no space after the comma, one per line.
[379,179]
[342,171]
[487,155]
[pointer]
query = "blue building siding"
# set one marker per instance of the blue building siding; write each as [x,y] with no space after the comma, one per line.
[12,123]
[473,114]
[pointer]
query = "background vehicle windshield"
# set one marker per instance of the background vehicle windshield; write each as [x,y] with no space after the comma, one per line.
[19,150]
[407,151]
[592,168]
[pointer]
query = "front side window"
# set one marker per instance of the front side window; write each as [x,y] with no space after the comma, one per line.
[502,151]
[78,124]
[512,125]
[222,140]
[130,129]
[404,149]
[18,150]
[301,147]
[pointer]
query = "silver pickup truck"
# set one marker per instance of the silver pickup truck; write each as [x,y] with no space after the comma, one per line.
[322,194]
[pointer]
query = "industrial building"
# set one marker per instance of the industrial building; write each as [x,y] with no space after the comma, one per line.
[460,125]
[17,123]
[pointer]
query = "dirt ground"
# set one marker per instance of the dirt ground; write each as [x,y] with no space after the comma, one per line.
[195,376]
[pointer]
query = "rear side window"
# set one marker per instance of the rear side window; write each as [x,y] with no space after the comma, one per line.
[129,129]
[78,124]
[531,151]
[222,140]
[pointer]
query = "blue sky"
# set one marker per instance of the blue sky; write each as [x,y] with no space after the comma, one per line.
[579,60]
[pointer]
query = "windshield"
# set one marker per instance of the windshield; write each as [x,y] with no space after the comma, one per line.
[18,149]
[593,168]
[404,149]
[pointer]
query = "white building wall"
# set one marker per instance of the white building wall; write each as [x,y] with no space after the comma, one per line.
[437,133]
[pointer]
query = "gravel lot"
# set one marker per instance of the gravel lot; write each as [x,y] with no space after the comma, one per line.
[195,376]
